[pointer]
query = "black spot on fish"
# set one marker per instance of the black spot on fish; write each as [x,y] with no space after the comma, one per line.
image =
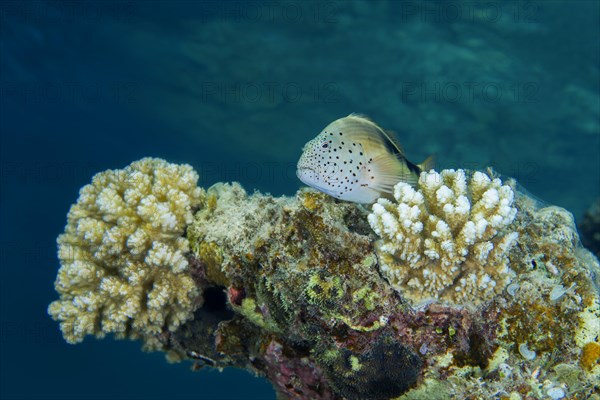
[350,151]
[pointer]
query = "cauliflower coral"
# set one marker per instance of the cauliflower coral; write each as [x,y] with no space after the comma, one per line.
[123,255]
[449,239]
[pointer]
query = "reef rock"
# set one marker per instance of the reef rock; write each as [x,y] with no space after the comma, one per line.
[299,290]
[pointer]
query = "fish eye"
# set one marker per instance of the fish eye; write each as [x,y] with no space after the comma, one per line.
[325,145]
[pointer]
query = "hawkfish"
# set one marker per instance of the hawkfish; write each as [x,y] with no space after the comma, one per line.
[354,159]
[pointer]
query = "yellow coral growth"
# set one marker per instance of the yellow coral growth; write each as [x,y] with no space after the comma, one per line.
[590,355]
[587,336]
[123,265]
[448,239]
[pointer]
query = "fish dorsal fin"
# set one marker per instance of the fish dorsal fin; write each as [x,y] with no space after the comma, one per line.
[388,137]
[393,139]
[361,116]
[369,133]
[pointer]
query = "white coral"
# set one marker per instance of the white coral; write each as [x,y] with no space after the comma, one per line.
[447,240]
[123,265]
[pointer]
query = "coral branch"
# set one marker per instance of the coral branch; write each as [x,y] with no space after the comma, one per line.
[449,239]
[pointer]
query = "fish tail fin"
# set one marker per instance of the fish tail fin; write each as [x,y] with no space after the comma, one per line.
[428,164]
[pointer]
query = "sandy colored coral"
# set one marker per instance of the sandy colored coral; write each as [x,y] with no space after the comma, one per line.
[448,239]
[123,255]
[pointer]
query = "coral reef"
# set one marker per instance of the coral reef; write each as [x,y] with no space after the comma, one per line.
[295,289]
[448,240]
[309,276]
[123,255]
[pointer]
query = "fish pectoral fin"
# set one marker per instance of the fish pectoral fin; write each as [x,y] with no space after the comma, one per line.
[387,171]
[428,164]
[363,209]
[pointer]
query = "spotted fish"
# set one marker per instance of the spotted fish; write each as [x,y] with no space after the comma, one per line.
[353,159]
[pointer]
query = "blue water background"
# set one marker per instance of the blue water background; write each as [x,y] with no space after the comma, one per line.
[235,89]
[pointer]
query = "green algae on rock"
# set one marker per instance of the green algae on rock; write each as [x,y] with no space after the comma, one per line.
[294,289]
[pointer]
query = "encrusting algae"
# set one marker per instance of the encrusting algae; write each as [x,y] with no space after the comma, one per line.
[321,298]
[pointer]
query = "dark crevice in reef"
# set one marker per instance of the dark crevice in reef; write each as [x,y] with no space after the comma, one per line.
[215,302]
[197,336]
[387,370]
[356,221]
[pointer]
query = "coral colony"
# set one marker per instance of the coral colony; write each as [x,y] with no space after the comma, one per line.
[436,244]
[123,254]
[461,287]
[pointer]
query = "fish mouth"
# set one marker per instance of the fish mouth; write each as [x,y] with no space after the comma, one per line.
[310,177]
[306,175]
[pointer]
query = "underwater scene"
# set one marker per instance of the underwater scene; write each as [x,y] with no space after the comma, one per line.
[300,199]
